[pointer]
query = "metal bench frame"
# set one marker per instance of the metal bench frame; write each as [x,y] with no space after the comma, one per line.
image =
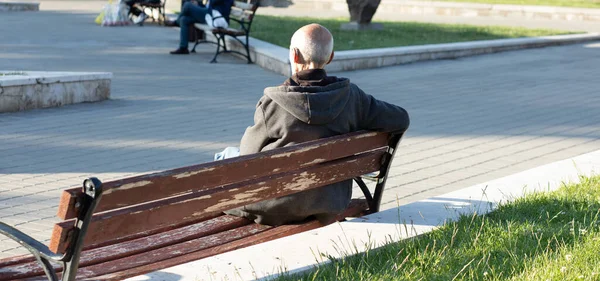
[92,188]
[221,33]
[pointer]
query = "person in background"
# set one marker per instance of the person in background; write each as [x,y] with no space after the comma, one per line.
[194,12]
[140,15]
[311,105]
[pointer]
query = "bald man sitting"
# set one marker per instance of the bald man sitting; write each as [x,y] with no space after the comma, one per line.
[311,105]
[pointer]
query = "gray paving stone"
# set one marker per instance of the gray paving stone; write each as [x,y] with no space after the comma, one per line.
[473,119]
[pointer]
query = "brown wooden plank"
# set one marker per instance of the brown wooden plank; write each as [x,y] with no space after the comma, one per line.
[354,209]
[121,239]
[60,239]
[193,206]
[171,251]
[136,190]
[132,247]
[240,14]
[16,260]
[243,5]
[69,198]
[98,255]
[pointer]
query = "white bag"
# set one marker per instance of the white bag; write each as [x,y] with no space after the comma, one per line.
[116,13]
[216,19]
[229,152]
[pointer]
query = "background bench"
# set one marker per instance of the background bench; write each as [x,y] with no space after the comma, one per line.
[242,14]
[146,223]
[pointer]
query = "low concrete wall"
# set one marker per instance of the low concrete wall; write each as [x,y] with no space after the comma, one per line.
[31,90]
[276,58]
[407,7]
[16,6]
[373,58]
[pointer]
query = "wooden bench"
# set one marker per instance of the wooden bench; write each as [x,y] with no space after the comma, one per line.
[242,13]
[129,227]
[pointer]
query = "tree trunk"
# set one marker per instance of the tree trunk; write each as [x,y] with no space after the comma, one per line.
[362,11]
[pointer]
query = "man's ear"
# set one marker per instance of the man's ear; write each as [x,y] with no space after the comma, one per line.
[331,57]
[297,56]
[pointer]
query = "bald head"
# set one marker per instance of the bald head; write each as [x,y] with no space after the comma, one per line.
[314,45]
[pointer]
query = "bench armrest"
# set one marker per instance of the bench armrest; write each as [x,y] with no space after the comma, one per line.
[239,21]
[35,247]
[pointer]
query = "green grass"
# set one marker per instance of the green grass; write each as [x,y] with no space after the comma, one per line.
[279,30]
[543,236]
[563,3]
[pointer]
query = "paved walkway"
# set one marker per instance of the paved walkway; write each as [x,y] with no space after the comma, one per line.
[473,119]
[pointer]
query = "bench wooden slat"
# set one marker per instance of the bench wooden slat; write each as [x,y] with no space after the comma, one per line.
[168,213]
[15,260]
[355,209]
[150,257]
[89,273]
[130,191]
[214,30]
[243,5]
[98,255]
[29,267]
[240,14]
[229,31]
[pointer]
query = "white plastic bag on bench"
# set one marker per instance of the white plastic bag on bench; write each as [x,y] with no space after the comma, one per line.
[115,13]
[229,152]
[216,19]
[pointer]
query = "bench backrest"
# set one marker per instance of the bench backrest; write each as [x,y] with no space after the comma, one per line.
[148,204]
[243,11]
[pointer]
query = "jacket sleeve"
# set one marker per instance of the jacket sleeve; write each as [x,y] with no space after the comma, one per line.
[214,3]
[221,3]
[380,115]
[256,137]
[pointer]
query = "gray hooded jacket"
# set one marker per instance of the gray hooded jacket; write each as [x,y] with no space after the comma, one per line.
[310,106]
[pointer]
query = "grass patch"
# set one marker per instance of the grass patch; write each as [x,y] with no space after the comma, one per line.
[543,236]
[279,30]
[563,3]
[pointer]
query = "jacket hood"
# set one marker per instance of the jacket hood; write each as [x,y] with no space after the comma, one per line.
[315,105]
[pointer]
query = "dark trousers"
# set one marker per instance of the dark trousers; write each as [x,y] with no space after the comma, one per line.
[190,14]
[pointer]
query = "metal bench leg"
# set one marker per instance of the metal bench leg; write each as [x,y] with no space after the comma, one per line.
[224,44]
[197,39]
[162,14]
[385,168]
[220,38]
[365,190]
[194,49]
[247,46]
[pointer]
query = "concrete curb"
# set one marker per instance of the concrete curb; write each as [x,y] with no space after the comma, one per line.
[300,252]
[18,6]
[276,59]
